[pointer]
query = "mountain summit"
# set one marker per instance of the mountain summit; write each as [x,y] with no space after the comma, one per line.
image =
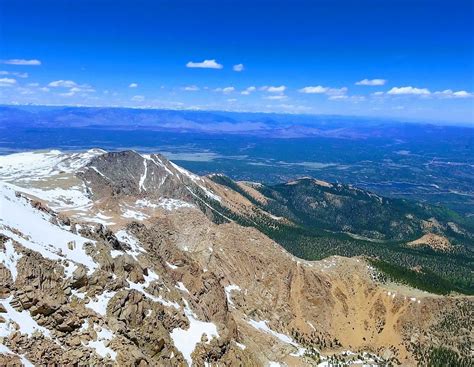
[122,258]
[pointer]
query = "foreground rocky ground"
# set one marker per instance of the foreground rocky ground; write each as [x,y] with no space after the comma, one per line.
[118,259]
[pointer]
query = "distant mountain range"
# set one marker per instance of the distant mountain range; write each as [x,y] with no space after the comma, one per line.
[213,122]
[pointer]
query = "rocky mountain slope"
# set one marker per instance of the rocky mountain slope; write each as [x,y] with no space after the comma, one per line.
[128,259]
[324,219]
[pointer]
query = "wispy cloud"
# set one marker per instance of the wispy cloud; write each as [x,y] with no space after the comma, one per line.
[272,89]
[191,88]
[32,62]
[74,88]
[424,92]
[14,73]
[345,97]
[277,97]
[449,93]
[371,82]
[378,94]
[206,64]
[248,90]
[225,90]
[238,67]
[63,84]
[133,85]
[409,91]
[138,98]
[7,82]
[336,91]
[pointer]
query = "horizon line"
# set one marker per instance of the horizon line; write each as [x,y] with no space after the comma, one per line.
[198,109]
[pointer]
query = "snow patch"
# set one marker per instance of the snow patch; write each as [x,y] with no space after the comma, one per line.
[141,184]
[165,203]
[171,266]
[10,258]
[181,287]
[99,305]
[24,361]
[140,287]
[103,335]
[27,325]
[241,346]
[186,340]
[133,214]
[262,326]
[228,291]
[135,247]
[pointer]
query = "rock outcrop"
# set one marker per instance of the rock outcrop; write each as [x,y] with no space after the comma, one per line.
[175,284]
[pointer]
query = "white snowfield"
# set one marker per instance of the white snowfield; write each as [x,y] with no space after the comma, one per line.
[37,232]
[37,165]
[33,172]
[40,174]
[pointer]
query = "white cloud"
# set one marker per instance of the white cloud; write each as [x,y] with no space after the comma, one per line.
[231,100]
[7,82]
[138,98]
[63,84]
[277,97]
[19,75]
[449,93]
[248,90]
[371,82]
[206,64]
[191,88]
[225,90]
[409,91]
[21,62]
[238,67]
[319,89]
[133,85]
[74,88]
[272,89]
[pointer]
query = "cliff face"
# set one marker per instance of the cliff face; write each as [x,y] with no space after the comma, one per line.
[124,259]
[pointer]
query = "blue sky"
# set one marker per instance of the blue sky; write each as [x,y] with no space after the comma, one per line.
[405,59]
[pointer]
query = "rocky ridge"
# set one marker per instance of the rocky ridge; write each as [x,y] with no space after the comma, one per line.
[128,259]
